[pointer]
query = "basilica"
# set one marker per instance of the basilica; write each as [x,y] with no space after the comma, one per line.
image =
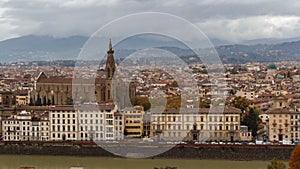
[66,91]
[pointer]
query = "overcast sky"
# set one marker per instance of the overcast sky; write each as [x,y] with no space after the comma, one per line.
[230,20]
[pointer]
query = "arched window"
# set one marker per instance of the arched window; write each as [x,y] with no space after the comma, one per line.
[103,94]
[108,72]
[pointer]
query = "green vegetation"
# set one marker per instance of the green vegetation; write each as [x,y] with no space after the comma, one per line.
[276,164]
[272,66]
[241,103]
[252,120]
[141,101]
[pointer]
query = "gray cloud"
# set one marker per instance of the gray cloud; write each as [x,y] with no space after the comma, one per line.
[233,20]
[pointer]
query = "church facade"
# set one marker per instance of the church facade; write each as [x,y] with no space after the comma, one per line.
[66,91]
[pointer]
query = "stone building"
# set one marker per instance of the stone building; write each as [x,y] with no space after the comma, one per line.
[215,124]
[96,122]
[63,123]
[67,91]
[26,126]
[279,124]
[133,121]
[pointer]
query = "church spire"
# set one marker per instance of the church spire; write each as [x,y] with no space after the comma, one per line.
[109,46]
[110,50]
[110,62]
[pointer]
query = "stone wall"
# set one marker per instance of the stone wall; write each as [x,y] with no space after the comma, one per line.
[226,152]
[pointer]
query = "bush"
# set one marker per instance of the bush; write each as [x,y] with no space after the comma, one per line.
[276,164]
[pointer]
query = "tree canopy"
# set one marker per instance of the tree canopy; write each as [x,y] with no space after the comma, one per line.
[241,103]
[141,101]
[252,120]
[294,162]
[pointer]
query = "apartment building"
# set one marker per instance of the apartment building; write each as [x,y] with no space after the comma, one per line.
[96,122]
[295,125]
[119,126]
[215,124]
[133,121]
[26,126]
[63,123]
[279,124]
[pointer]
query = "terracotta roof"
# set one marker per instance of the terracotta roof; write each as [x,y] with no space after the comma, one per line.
[62,108]
[95,107]
[218,109]
[284,110]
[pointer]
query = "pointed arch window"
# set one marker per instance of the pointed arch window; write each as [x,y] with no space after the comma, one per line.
[103,94]
[108,72]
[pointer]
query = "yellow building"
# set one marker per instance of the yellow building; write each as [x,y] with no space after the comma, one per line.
[133,121]
[22,98]
[279,124]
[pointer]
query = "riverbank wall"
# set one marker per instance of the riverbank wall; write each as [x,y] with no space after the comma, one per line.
[217,152]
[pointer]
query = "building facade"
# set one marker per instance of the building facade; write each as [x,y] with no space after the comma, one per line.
[96,122]
[133,121]
[215,124]
[26,126]
[63,123]
[279,124]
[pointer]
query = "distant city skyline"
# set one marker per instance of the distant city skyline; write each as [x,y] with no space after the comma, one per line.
[233,21]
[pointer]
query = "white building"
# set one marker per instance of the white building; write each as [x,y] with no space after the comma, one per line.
[63,123]
[96,122]
[119,126]
[25,127]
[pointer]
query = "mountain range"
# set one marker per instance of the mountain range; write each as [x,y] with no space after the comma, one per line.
[46,48]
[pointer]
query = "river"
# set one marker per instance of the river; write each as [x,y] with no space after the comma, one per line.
[66,162]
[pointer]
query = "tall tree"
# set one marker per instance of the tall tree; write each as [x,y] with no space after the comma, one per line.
[141,101]
[44,101]
[252,120]
[294,162]
[276,164]
[38,101]
[241,103]
[69,101]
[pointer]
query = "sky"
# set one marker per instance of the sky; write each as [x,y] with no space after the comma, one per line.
[227,20]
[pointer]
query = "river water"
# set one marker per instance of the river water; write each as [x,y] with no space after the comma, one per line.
[66,162]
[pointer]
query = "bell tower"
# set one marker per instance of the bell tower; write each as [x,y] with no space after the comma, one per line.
[110,62]
[110,69]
